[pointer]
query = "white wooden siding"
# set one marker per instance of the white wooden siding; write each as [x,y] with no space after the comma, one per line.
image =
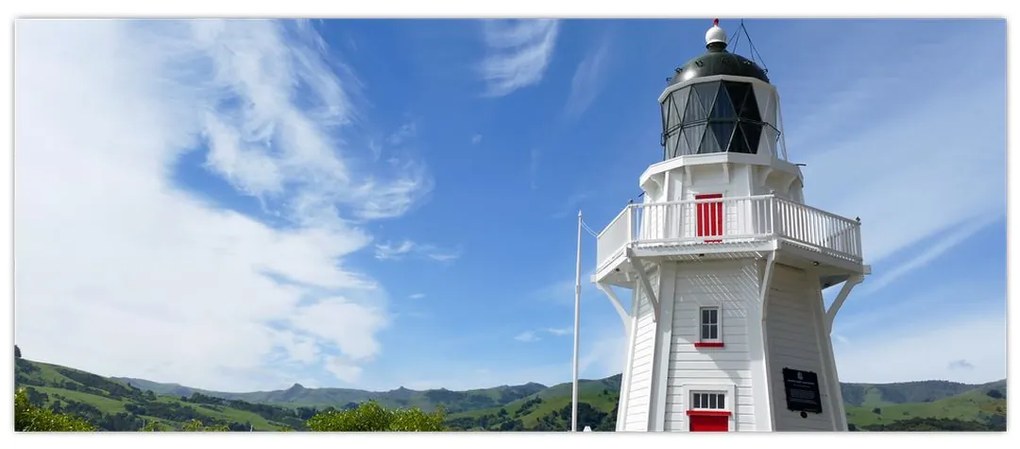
[732,285]
[638,399]
[794,327]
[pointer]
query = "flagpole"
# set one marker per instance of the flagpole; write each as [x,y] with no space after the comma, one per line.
[577,327]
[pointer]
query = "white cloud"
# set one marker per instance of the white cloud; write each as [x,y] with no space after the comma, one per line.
[417,296]
[401,135]
[560,331]
[343,370]
[518,53]
[588,81]
[120,272]
[403,249]
[350,327]
[528,337]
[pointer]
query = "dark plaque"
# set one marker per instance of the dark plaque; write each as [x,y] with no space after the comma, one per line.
[802,391]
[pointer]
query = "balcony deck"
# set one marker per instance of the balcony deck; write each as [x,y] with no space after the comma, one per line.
[728,228]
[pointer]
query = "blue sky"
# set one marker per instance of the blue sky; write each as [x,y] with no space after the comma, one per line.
[381,203]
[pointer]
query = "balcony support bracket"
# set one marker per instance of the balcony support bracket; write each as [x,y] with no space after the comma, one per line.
[830,314]
[639,268]
[624,316]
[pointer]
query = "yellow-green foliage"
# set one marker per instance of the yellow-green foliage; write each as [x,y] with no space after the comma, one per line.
[33,419]
[372,417]
[195,425]
[154,426]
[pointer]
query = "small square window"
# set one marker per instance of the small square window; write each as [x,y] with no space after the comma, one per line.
[710,324]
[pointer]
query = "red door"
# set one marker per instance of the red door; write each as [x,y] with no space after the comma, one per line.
[710,222]
[709,423]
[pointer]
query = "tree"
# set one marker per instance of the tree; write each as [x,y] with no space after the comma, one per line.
[28,418]
[17,352]
[154,426]
[195,425]
[372,417]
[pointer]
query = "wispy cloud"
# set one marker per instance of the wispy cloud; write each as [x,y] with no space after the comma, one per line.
[95,158]
[416,296]
[571,204]
[562,292]
[406,248]
[960,364]
[536,334]
[527,337]
[588,80]
[402,134]
[940,246]
[518,53]
[928,351]
[873,172]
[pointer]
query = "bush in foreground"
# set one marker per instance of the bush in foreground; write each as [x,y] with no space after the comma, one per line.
[372,417]
[28,418]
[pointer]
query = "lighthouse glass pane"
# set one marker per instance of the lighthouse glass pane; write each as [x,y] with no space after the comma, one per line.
[700,103]
[749,110]
[672,144]
[752,135]
[717,138]
[723,108]
[679,101]
[692,138]
[737,93]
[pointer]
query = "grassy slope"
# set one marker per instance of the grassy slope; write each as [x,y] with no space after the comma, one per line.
[972,405]
[602,394]
[48,375]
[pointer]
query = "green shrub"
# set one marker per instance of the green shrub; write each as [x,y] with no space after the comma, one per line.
[372,417]
[28,418]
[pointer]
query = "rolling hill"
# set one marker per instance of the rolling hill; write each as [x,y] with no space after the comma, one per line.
[121,403]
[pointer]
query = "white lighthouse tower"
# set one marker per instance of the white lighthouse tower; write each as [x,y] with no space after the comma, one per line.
[727,329]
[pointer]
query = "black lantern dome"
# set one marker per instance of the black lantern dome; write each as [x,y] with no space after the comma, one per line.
[718,61]
[713,116]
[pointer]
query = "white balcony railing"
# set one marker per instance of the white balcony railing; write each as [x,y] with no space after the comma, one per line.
[729,220]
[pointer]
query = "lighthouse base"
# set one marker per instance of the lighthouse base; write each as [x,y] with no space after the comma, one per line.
[741,341]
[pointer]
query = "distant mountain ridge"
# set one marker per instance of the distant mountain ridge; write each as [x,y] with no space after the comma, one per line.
[122,403]
[298,395]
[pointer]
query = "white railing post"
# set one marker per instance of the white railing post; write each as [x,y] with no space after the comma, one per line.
[630,224]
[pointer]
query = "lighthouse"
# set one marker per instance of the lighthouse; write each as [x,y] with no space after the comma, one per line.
[725,265]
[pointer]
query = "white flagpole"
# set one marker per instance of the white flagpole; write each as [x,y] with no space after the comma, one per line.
[577,327]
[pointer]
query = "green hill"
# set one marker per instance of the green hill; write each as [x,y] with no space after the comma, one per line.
[127,404]
[113,405]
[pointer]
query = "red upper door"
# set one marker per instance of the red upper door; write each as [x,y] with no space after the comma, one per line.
[710,222]
[709,423]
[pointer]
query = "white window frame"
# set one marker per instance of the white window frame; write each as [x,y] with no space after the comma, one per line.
[729,389]
[713,394]
[718,324]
